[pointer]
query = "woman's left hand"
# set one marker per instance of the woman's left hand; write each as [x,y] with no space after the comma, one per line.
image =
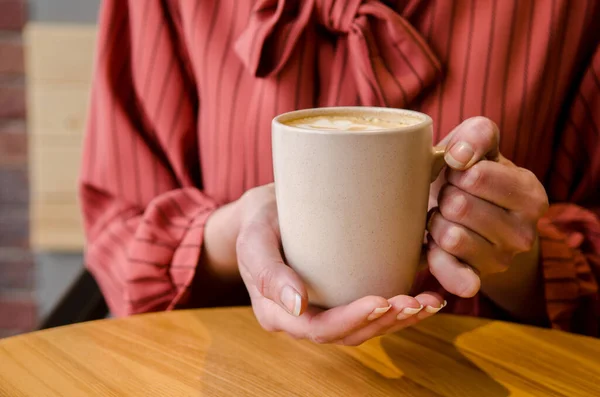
[483,210]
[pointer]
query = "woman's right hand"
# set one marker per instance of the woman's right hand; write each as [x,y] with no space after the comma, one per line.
[279,297]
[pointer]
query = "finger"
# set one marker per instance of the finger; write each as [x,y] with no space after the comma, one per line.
[467,245]
[402,307]
[262,266]
[474,139]
[432,303]
[456,277]
[494,223]
[513,188]
[333,324]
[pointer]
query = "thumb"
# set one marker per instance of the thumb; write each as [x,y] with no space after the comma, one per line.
[265,272]
[474,139]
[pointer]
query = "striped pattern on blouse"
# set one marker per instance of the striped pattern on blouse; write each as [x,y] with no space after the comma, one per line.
[184,92]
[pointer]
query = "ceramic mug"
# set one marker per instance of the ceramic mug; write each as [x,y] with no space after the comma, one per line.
[352,205]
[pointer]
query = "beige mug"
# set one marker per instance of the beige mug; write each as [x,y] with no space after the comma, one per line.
[352,205]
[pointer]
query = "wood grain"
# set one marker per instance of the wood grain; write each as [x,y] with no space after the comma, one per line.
[223,352]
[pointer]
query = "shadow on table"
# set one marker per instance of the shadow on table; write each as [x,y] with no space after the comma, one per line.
[428,355]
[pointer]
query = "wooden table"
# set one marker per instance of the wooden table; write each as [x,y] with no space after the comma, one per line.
[223,352]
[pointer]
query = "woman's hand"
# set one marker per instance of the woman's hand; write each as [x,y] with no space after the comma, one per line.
[483,213]
[279,297]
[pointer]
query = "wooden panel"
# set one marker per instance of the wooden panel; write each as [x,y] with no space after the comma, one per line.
[59,59]
[54,169]
[56,226]
[57,108]
[60,52]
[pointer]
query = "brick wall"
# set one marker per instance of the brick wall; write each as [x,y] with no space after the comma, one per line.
[17,299]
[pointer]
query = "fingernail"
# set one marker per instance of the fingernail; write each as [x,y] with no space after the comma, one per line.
[452,237]
[380,311]
[291,300]
[408,311]
[459,155]
[432,310]
[470,177]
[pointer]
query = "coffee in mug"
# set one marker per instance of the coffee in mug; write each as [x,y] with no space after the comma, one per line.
[352,187]
[350,122]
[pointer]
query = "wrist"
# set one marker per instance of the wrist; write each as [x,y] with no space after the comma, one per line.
[220,235]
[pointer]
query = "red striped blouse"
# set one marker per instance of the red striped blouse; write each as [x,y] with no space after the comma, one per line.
[184,92]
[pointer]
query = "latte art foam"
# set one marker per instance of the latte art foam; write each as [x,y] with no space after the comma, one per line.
[351,123]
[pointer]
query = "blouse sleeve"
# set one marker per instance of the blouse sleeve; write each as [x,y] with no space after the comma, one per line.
[144,213]
[570,232]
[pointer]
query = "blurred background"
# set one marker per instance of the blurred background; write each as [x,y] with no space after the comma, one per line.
[46,56]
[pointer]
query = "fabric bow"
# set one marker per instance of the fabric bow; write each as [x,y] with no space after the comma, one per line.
[390,60]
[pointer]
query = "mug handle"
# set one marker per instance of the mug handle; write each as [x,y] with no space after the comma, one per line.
[438,161]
